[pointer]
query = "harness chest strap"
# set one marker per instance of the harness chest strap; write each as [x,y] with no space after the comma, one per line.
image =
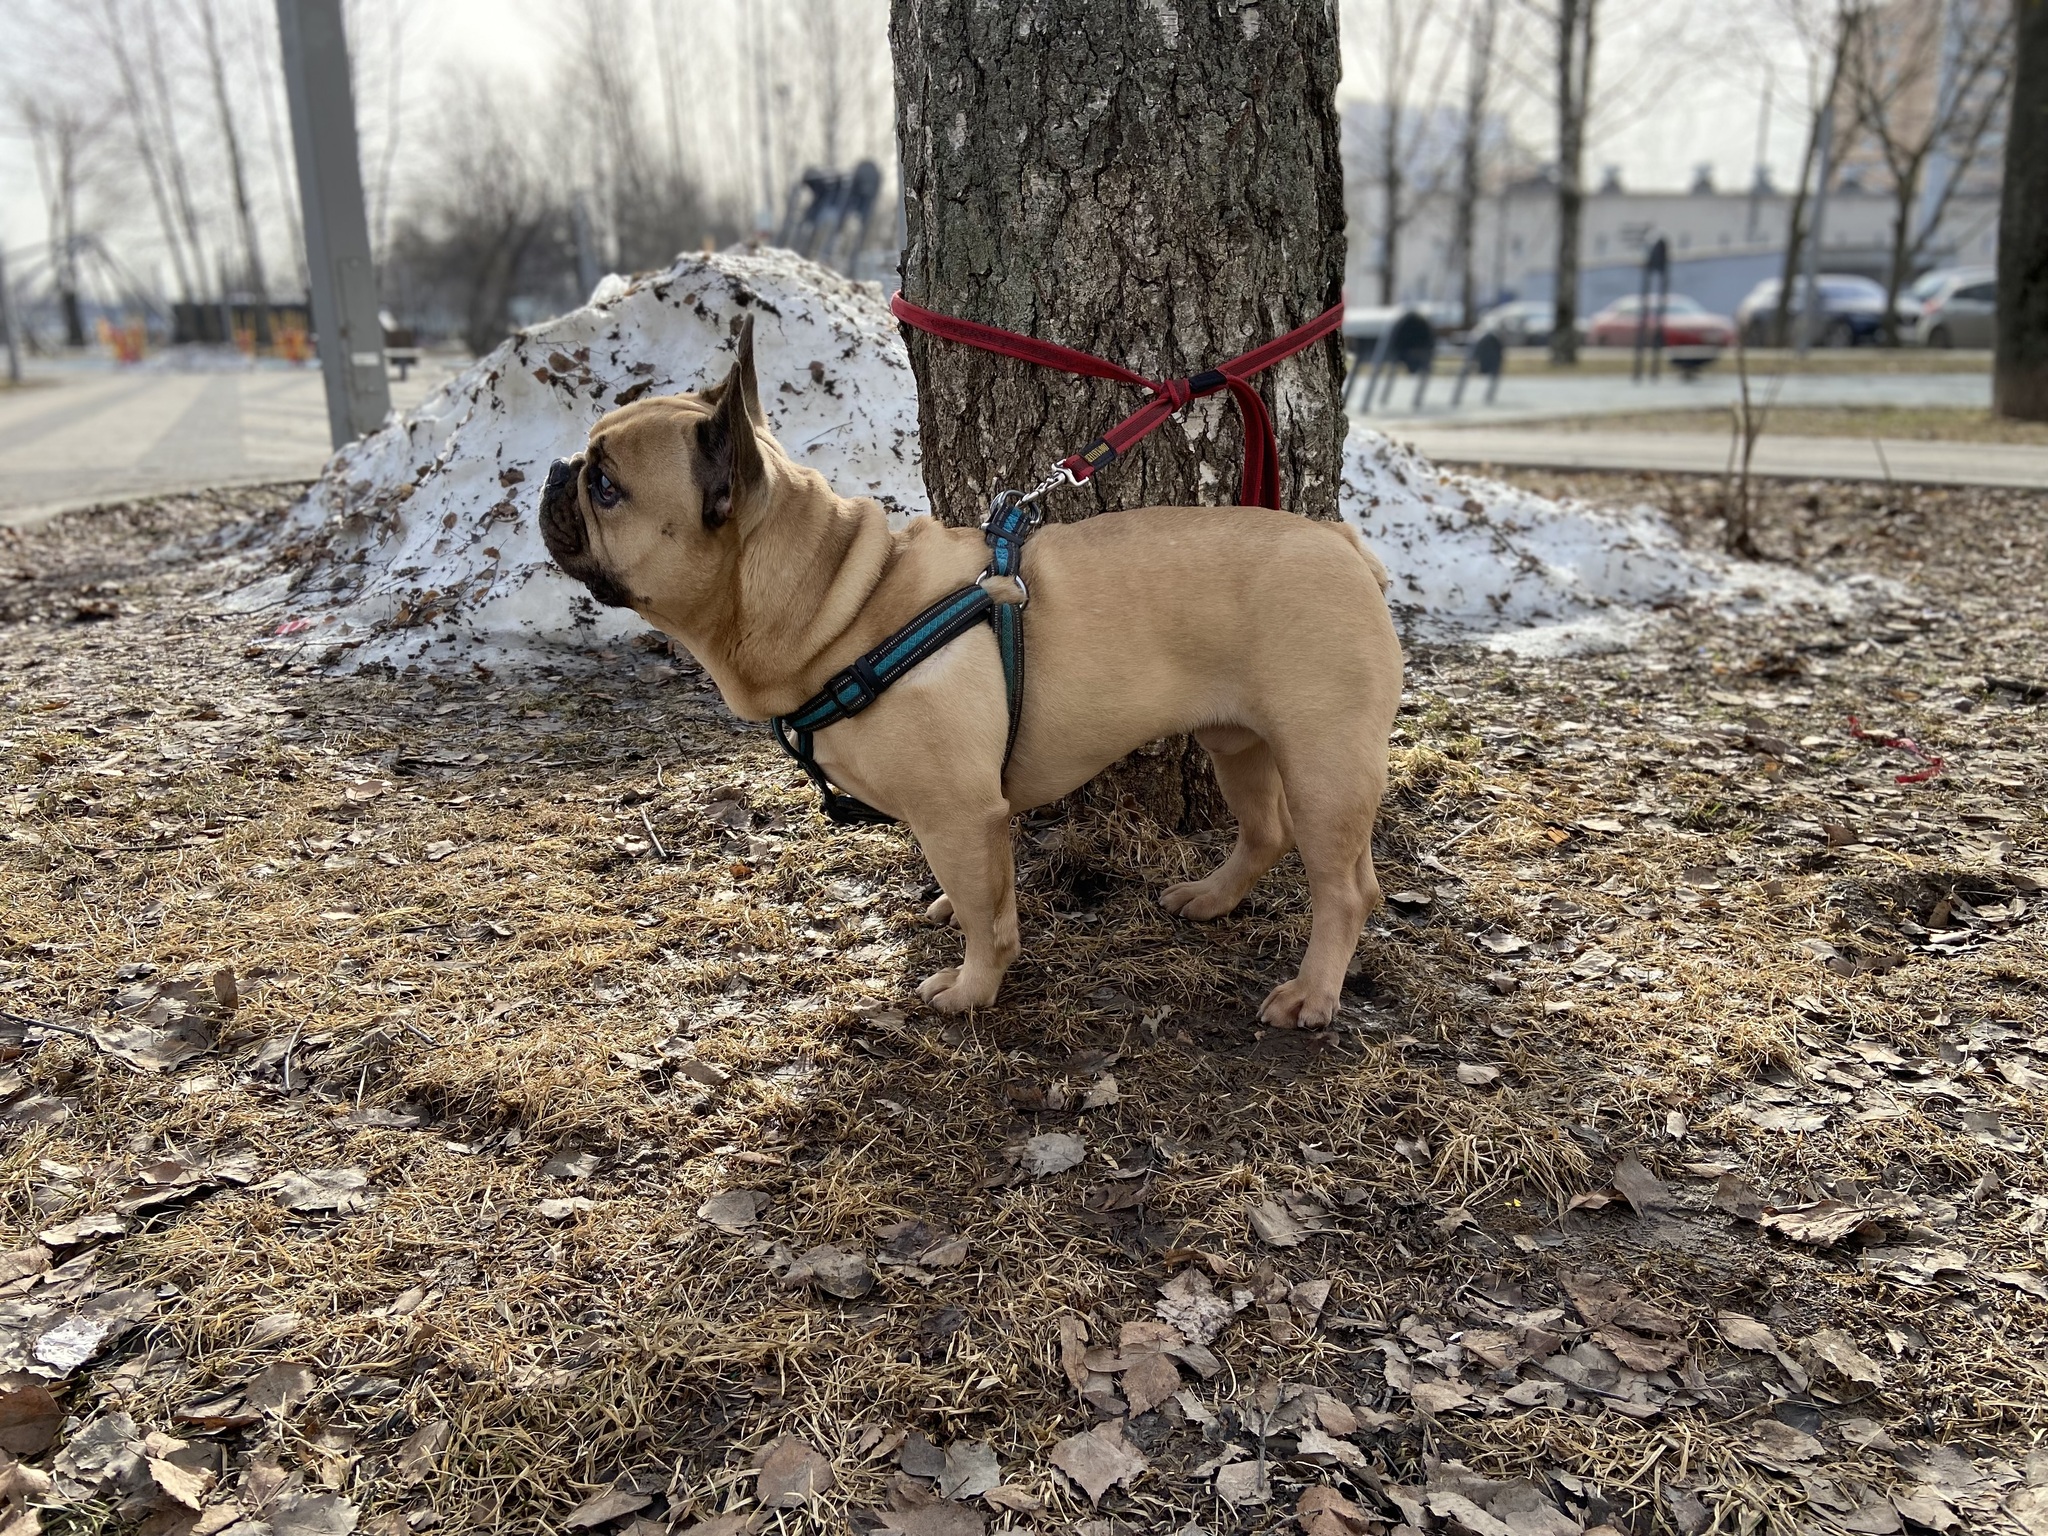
[854,687]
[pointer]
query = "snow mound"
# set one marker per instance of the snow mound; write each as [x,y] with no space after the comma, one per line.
[1472,558]
[419,546]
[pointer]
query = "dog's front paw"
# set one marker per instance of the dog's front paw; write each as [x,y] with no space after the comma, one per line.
[952,991]
[1199,901]
[1295,1005]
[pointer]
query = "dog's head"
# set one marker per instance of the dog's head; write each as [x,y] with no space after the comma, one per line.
[647,516]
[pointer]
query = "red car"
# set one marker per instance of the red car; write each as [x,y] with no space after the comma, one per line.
[1693,336]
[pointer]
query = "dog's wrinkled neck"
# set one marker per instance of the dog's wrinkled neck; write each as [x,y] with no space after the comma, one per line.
[795,593]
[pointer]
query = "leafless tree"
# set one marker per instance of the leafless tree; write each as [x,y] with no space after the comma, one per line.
[1575,37]
[1400,137]
[1823,31]
[64,134]
[168,138]
[1924,80]
[495,224]
[231,140]
[1482,22]
[113,30]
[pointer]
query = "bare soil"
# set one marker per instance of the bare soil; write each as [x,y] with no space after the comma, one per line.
[375,1051]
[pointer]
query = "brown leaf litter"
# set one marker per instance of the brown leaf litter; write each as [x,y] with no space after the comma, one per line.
[395,1140]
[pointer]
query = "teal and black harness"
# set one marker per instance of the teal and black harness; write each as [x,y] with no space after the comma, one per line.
[853,688]
[1014,514]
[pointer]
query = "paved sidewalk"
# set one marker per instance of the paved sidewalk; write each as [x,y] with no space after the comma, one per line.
[1803,458]
[79,435]
[1546,396]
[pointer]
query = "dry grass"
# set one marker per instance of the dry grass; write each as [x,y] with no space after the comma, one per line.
[740,1014]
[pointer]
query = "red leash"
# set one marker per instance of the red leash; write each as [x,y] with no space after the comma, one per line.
[1901,744]
[1259,484]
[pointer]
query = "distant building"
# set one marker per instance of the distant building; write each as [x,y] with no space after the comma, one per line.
[1722,243]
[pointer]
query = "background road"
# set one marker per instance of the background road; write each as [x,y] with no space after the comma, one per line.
[78,435]
[85,433]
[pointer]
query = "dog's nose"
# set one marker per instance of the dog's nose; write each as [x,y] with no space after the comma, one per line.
[558,476]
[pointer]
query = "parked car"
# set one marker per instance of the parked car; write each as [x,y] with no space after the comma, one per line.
[1958,308]
[1521,323]
[1851,311]
[1693,335]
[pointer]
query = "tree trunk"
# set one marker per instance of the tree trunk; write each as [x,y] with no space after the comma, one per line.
[1390,205]
[2020,379]
[1478,84]
[252,250]
[174,159]
[145,151]
[1156,185]
[1795,240]
[1574,80]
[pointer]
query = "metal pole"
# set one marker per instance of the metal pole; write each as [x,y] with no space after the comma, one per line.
[344,281]
[7,326]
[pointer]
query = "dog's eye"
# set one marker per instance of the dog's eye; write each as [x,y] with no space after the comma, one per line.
[605,490]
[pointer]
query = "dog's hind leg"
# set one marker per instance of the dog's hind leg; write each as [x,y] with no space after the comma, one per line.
[1251,785]
[1336,799]
[969,851]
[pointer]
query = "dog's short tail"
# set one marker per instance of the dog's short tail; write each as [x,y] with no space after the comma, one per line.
[1372,561]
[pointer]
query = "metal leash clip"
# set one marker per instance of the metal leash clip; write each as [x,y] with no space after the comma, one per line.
[1005,500]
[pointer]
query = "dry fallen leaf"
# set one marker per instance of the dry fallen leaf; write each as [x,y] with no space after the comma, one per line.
[1274,1225]
[420,1457]
[1052,1152]
[1822,1224]
[1641,1188]
[340,1190]
[280,1387]
[1323,1511]
[85,1229]
[29,1420]
[735,1210]
[1102,1093]
[605,1508]
[792,1474]
[971,1469]
[1148,1381]
[1831,1352]
[1100,1459]
[566,1209]
[1781,1447]
[835,1271]
[1475,1075]
[571,1165]
[1243,1483]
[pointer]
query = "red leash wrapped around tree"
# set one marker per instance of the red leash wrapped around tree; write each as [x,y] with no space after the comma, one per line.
[1259,484]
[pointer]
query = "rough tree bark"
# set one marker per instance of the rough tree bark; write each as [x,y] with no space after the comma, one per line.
[1159,185]
[2020,380]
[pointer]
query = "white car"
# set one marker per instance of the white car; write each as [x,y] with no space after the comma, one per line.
[1958,308]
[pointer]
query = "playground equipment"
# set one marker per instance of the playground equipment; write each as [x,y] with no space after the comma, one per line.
[823,206]
[1382,338]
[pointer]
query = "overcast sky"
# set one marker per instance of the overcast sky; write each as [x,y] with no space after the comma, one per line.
[1683,80]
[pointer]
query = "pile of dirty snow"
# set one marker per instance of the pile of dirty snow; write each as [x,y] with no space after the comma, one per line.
[419,545]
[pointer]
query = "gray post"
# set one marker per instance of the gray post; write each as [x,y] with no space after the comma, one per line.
[7,326]
[337,234]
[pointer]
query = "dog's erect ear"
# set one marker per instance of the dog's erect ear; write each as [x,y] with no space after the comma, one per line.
[741,376]
[728,460]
